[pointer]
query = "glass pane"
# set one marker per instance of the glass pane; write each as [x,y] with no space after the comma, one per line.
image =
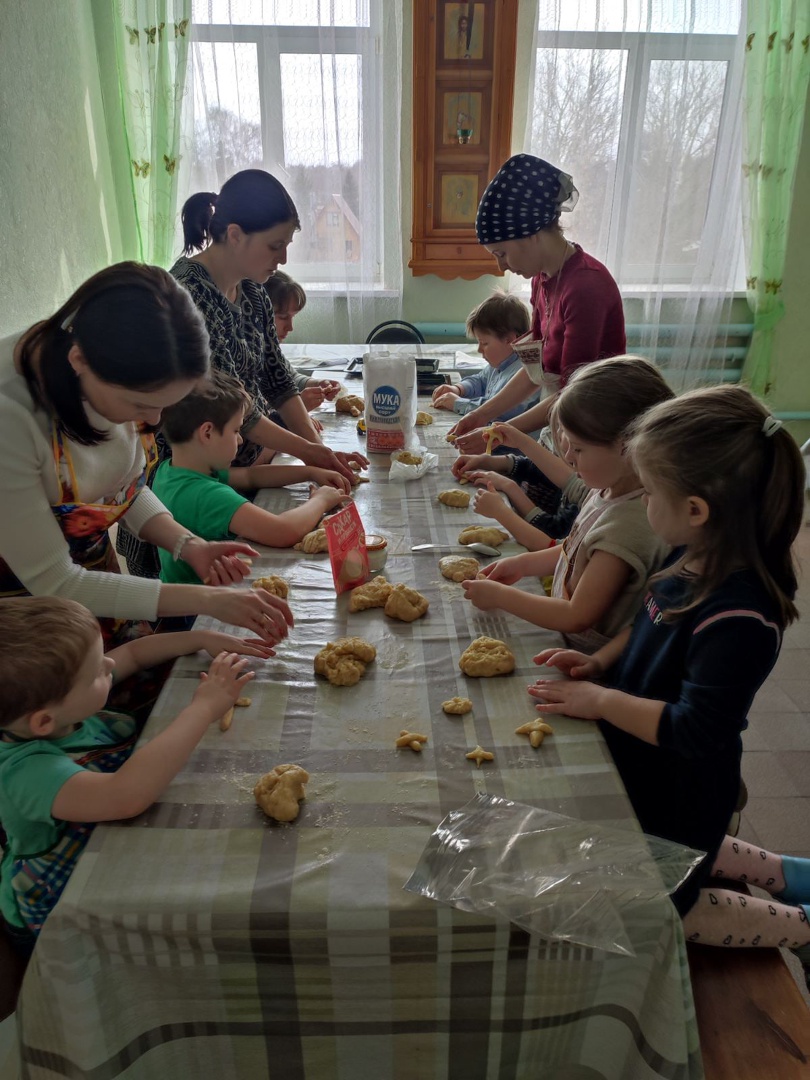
[672,168]
[576,121]
[642,16]
[282,12]
[321,99]
[227,115]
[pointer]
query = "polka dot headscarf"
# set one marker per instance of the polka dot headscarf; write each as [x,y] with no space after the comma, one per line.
[525,195]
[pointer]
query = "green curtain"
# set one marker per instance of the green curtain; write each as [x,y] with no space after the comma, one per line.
[777,71]
[151,51]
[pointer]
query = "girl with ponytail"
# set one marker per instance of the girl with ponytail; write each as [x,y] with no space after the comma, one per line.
[725,486]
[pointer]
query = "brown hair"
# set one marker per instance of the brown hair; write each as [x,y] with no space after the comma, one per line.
[213,401]
[136,327]
[282,289]
[604,398]
[711,443]
[44,641]
[500,314]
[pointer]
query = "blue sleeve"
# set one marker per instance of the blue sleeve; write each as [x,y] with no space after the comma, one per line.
[475,386]
[728,658]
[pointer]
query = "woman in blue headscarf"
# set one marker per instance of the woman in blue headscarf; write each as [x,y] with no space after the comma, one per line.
[577,313]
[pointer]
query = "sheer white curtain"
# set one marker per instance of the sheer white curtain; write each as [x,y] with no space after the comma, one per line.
[311,91]
[639,100]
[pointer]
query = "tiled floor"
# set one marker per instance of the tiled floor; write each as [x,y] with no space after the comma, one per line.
[776,763]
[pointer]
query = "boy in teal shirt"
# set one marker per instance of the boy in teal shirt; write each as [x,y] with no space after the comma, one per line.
[64,763]
[202,492]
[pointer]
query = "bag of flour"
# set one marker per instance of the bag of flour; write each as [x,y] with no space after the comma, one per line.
[389,387]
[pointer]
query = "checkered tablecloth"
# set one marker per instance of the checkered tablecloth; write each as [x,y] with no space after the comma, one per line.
[204,941]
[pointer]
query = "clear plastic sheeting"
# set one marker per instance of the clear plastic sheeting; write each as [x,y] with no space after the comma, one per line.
[564,879]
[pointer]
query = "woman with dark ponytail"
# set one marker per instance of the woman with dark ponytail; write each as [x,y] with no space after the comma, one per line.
[234,241]
[79,394]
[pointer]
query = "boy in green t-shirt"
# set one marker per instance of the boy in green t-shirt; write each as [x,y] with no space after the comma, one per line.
[65,764]
[198,487]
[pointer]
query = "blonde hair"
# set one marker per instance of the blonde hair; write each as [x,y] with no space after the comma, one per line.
[604,398]
[500,314]
[44,641]
[711,443]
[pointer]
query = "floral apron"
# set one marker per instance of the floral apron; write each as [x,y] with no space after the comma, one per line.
[85,527]
[38,880]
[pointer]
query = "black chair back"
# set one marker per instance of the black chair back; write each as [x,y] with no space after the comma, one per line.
[395,332]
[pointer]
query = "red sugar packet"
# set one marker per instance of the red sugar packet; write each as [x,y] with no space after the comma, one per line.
[347,548]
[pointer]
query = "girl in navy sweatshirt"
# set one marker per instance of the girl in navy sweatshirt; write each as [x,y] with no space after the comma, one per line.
[725,486]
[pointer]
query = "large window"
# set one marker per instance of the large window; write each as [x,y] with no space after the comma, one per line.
[295,87]
[640,110]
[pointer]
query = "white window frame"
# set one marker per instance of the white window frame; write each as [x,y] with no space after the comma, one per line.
[272,42]
[642,49]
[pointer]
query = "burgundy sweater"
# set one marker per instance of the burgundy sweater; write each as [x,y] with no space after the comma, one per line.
[586,315]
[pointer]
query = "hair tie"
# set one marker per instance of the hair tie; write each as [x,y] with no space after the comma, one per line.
[67,322]
[770,425]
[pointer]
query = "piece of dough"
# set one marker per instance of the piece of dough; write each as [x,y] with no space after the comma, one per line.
[486,657]
[536,730]
[457,706]
[351,404]
[455,497]
[313,543]
[464,479]
[243,702]
[482,534]
[423,418]
[478,755]
[450,437]
[226,720]
[279,792]
[411,739]
[459,567]
[491,435]
[273,584]
[407,458]
[373,594]
[358,479]
[343,662]
[406,604]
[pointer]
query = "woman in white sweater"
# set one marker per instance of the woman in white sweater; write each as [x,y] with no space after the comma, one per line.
[78,395]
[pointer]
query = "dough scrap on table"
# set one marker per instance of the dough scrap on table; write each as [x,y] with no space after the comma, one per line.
[314,543]
[411,739]
[482,534]
[457,706]
[486,657]
[343,662]
[423,418]
[373,594]
[459,567]
[478,755]
[273,584]
[454,497]
[536,730]
[226,720]
[406,604]
[358,479]
[243,702]
[279,792]
[351,404]
[407,458]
